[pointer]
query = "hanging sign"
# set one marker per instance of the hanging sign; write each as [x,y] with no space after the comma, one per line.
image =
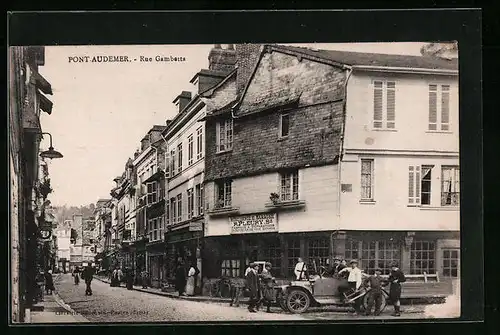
[253,223]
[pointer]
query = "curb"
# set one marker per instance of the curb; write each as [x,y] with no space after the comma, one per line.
[60,302]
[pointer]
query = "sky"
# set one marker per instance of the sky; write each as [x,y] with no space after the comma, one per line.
[102,110]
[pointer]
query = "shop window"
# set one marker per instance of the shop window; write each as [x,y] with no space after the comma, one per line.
[372,254]
[272,254]
[231,268]
[368,259]
[319,251]
[423,257]
[451,260]
[289,185]
[293,255]
[351,250]
[388,252]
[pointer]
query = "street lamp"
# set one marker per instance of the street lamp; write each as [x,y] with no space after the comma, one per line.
[51,153]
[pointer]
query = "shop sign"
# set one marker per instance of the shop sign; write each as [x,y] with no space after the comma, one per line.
[253,223]
[196,226]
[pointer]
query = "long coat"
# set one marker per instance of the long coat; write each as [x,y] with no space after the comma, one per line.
[267,286]
[253,284]
[395,290]
[49,281]
[180,278]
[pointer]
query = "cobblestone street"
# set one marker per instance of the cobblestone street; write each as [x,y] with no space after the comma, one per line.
[117,304]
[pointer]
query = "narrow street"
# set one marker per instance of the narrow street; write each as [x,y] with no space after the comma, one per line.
[117,304]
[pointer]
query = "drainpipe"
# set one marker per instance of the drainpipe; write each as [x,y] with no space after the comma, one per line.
[341,149]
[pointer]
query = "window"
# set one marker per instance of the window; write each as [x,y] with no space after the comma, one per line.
[224,194]
[367,179]
[173,210]
[167,165]
[293,255]
[172,163]
[224,135]
[199,198]
[152,193]
[190,150]
[319,250]
[272,254]
[384,104]
[179,207]
[439,113]
[451,259]
[425,194]
[450,186]
[289,188]
[230,268]
[372,254]
[199,143]
[414,185]
[190,199]
[422,258]
[167,215]
[179,158]
[284,125]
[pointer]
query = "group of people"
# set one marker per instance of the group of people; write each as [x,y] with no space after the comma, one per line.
[260,287]
[186,279]
[87,274]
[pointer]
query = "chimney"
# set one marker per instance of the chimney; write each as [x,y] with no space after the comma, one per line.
[182,100]
[220,59]
[145,142]
[206,79]
[247,56]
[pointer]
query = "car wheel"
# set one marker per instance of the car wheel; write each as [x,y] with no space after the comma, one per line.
[298,301]
[367,296]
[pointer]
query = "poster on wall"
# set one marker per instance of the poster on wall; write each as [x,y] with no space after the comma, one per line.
[253,223]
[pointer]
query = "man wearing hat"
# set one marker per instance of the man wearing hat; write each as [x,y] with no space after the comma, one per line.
[337,265]
[375,296]
[252,283]
[396,278]
[354,281]
[267,281]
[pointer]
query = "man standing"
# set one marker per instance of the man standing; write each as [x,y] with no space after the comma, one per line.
[396,278]
[375,294]
[354,281]
[88,275]
[76,275]
[253,287]
[300,269]
[180,278]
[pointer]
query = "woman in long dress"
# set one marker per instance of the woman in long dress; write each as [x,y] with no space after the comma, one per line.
[191,278]
[267,282]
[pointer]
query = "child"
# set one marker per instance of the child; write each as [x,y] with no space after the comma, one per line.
[375,295]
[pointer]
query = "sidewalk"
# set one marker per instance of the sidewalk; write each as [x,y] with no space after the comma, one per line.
[54,310]
[243,301]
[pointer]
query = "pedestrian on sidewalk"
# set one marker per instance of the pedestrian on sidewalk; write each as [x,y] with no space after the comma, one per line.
[49,282]
[191,278]
[375,282]
[396,278]
[88,275]
[180,278]
[253,288]
[144,278]
[76,275]
[130,279]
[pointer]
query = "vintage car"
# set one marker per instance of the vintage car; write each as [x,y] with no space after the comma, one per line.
[320,290]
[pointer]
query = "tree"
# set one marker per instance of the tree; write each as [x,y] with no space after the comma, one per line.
[441,50]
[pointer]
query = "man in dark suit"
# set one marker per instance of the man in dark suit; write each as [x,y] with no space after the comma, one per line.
[88,275]
[253,287]
[396,278]
[337,265]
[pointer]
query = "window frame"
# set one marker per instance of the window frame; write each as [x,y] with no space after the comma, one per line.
[414,184]
[422,168]
[199,143]
[227,200]
[190,150]
[154,194]
[455,181]
[384,119]
[294,177]
[173,210]
[447,270]
[179,158]
[179,208]
[414,251]
[199,195]
[440,126]
[283,115]
[190,203]
[357,249]
[371,198]
[223,125]
[173,158]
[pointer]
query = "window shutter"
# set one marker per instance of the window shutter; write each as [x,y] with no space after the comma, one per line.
[377,104]
[414,185]
[432,107]
[391,104]
[445,107]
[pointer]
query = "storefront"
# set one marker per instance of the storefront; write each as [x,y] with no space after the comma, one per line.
[185,243]
[255,237]
[154,255]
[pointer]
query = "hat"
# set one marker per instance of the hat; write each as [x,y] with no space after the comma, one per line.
[337,258]
[353,261]
[269,264]
[394,264]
